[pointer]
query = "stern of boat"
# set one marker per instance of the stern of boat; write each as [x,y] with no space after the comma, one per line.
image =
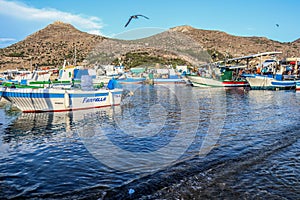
[115,96]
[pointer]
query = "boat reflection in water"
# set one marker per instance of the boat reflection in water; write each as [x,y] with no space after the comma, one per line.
[53,124]
[41,153]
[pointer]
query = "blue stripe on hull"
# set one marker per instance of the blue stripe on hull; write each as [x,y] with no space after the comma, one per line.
[32,95]
[88,95]
[117,92]
[271,88]
[53,95]
[285,84]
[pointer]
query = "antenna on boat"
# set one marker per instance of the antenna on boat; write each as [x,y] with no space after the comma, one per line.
[31,64]
[64,65]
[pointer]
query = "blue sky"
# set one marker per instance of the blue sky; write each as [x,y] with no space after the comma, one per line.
[21,18]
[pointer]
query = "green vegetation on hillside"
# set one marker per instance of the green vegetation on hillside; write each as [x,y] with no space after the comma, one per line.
[16,54]
[217,56]
[136,59]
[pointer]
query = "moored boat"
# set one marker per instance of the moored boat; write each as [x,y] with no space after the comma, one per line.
[169,81]
[275,75]
[166,76]
[128,79]
[135,80]
[57,100]
[221,77]
[264,82]
[216,75]
[209,82]
[131,78]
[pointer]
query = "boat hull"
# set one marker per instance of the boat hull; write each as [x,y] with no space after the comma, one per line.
[58,100]
[269,83]
[169,81]
[298,86]
[208,82]
[131,80]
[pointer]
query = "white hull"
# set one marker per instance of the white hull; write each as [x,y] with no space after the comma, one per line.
[56,100]
[131,80]
[169,81]
[209,82]
[204,82]
[103,79]
[268,83]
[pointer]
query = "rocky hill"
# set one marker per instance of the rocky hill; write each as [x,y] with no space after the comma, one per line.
[236,46]
[180,45]
[49,47]
[167,48]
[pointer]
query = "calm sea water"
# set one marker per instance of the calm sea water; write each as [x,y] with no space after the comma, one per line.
[161,143]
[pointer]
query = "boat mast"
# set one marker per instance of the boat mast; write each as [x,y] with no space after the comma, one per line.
[75,56]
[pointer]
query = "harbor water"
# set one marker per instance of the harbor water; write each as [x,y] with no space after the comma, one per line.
[162,142]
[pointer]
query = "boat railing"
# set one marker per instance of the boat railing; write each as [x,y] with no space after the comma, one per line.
[290,77]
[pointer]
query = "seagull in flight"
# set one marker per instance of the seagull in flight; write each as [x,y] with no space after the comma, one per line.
[135,17]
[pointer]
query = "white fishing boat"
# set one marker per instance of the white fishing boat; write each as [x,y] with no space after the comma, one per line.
[275,75]
[166,76]
[224,74]
[263,82]
[127,78]
[131,80]
[171,80]
[57,100]
[37,78]
[220,77]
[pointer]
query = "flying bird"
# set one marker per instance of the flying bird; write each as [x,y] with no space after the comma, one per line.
[135,17]
[277,25]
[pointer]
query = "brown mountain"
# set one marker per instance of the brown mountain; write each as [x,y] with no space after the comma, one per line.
[49,47]
[235,46]
[180,45]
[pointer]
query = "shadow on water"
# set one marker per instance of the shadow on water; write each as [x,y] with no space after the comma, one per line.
[36,125]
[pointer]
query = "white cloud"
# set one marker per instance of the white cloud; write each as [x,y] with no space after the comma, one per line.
[6,40]
[21,11]
[95,32]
